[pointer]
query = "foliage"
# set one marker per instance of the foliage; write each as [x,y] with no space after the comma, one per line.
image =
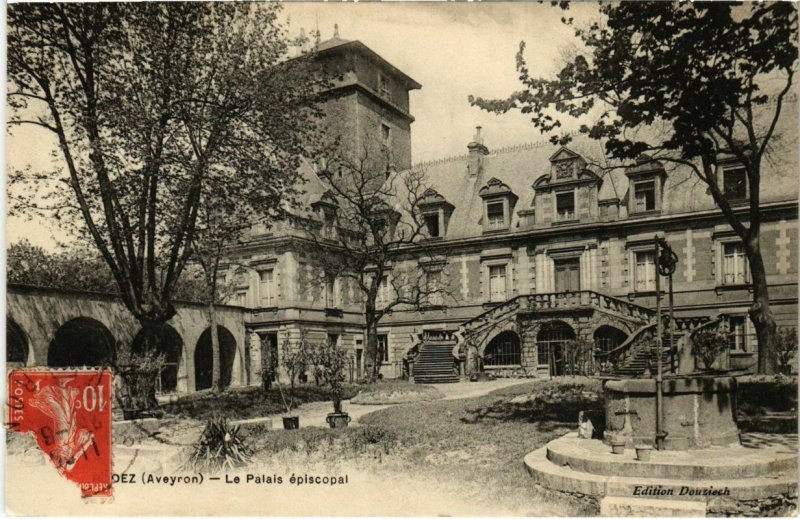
[219,447]
[708,345]
[679,83]
[75,269]
[330,361]
[294,358]
[786,349]
[158,108]
[251,402]
[335,444]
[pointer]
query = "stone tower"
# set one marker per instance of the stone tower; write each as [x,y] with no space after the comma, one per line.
[369,110]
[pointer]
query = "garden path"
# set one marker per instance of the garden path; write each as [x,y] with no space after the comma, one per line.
[313,414]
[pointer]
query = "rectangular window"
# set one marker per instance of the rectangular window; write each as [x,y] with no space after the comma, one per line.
[497,283]
[333,339]
[496,213]
[433,288]
[737,340]
[383,347]
[330,291]
[734,184]
[734,266]
[432,224]
[267,288]
[645,273]
[383,87]
[386,133]
[239,298]
[565,205]
[568,274]
[384,290]
[644,196]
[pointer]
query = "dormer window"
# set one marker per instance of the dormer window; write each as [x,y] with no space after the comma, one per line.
[646,190]
[498,201]
[565,205]
[496,214]
[734,184]
[435,212]
[432,224]
[644,196]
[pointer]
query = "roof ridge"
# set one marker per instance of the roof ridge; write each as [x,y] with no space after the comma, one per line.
[497,151]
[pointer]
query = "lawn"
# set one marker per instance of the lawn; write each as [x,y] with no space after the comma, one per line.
[249,402]
[396,392]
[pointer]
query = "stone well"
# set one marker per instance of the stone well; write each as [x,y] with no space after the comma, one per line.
[699,411]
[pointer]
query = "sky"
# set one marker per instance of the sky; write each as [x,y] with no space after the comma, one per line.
[452,49]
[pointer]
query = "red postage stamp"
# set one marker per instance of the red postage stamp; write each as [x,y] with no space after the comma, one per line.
[70,414]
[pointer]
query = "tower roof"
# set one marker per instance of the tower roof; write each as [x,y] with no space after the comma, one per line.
[337,44]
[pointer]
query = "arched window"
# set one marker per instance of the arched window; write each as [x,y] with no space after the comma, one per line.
[550,342]
[503,350]
[607,338]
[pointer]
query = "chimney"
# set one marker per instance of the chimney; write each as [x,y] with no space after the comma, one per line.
[476,152]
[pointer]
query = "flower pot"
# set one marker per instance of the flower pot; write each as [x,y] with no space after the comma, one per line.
[618,447]
[130,414]
[643,452]
[338,420]
[291,422]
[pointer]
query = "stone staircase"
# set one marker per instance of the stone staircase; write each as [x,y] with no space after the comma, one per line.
[435,363]
[646,359]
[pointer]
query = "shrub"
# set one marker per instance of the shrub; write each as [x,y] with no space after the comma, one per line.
[708,345]
[785,349]
[220,446]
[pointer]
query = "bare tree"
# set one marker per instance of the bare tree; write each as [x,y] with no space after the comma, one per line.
[369,228]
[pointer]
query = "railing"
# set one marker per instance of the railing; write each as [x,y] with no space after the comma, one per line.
[559,301]
[619,357]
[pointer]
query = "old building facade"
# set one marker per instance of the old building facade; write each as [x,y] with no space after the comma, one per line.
[540,244]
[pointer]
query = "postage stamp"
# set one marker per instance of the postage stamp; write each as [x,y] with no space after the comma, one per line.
[69,413]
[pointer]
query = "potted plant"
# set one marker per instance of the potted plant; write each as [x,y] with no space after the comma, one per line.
[618,446]
[140,372]
[785,349]
[708,346]
[293,360]
[331,361]
[643,452]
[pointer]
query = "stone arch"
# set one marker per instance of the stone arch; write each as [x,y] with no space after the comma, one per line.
[550,341]
[203,358]
[607,337]
[17,345]
[170,344]
[82,341]
[505,349]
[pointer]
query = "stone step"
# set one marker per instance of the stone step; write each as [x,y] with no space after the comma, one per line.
[638,507]
[566,479]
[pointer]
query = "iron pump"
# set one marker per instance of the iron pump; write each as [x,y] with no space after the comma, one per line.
[666,261]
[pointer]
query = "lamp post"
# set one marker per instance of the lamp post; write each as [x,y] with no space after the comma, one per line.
[666,262]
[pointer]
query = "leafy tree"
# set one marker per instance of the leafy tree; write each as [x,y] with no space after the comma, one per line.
[363,231]
[75,269]
[683,83]
[155,105]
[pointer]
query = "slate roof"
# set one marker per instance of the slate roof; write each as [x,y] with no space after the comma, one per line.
[520,166]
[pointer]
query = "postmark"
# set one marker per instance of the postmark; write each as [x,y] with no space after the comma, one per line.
[69,413]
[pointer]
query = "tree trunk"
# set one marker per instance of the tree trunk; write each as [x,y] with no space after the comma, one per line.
[373,364]
[151,331]
[216,371]
[760,312]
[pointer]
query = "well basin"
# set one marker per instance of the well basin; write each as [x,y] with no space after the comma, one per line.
[699,412]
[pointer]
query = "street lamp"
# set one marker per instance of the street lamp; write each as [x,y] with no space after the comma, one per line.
[666,261]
